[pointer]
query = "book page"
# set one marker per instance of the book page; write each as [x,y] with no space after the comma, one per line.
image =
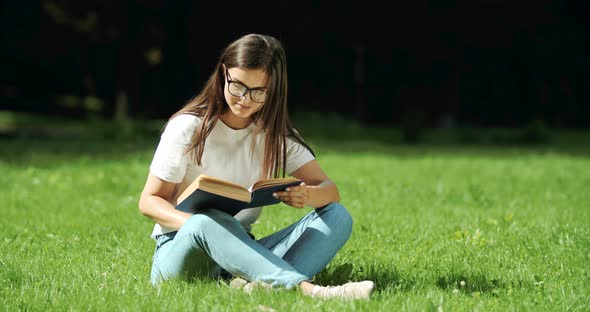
[224,188]
[271,182]
[210,181]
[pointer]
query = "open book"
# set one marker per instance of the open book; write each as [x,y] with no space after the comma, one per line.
[207,192]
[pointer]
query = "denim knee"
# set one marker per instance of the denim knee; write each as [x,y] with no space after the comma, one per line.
[209,222]
[197,224]
[196,221]
[338,219]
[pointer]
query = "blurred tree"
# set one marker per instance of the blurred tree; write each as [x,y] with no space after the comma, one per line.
[473,62]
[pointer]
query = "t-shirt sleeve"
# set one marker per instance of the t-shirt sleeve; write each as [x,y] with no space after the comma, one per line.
[297,156]
[170,159]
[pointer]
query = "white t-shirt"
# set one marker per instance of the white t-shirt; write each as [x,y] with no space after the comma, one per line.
[228,155]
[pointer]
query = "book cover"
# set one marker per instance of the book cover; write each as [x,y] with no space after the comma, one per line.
[200,199]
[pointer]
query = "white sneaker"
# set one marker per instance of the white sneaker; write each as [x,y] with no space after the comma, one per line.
[257,285]
[348,291]
[238,283]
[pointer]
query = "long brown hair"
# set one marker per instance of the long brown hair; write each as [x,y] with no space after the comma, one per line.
[252,51]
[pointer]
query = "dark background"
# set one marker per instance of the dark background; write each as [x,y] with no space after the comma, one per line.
[423,62]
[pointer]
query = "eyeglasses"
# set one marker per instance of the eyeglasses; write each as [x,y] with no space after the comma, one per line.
[238,89]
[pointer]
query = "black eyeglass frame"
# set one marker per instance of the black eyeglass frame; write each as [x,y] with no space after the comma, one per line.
[248,90]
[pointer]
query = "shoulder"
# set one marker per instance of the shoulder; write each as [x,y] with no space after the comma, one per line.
[296,144]
[294,139]
[182,124]
[183,121]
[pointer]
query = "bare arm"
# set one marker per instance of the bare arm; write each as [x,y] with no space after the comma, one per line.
[155,203]
[317,189]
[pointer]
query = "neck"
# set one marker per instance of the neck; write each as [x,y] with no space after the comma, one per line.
[234,121]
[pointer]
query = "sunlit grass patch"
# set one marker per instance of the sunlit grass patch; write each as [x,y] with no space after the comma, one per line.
[436,227]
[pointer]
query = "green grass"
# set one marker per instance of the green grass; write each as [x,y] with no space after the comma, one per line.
[437,226]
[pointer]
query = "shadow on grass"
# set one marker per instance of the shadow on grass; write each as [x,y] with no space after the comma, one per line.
[384,278]
[51,151]
[24,152]
[33,140]
[469,282]
[336,134]
[41,142]
[401,281]
[403,150]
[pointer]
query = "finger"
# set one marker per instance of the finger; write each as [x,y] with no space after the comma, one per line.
[288,194]
[296,194]
[297,202]
[292,189]
[282,194]
[287,198]
[294,201]
[300,187]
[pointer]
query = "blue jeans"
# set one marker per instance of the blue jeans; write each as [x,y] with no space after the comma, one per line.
[213,243]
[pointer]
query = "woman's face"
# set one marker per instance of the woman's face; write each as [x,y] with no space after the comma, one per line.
[241,81]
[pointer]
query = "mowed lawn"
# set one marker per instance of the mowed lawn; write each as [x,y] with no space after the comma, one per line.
[445,227]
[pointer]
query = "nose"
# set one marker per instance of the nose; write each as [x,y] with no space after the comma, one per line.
[245,97]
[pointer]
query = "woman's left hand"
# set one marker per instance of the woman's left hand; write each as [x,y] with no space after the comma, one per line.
[295,196]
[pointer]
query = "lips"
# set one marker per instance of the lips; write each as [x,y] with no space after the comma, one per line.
[242,106]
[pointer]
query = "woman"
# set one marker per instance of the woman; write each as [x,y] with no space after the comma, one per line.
[237,129]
